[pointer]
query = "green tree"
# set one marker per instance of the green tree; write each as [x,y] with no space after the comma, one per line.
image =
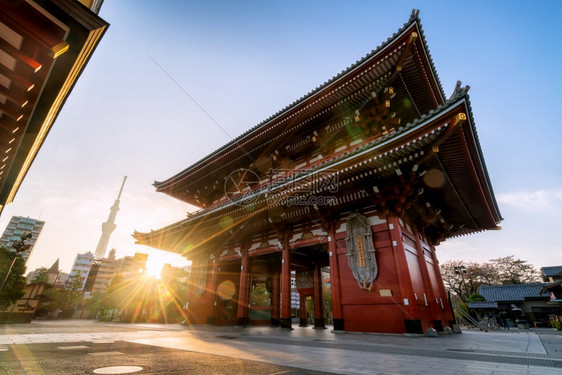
[66,298]
[94,303]
[57,299]
[475,297]
[41,277]
[115,293]
[14,287]
[74,290]
[465,282]
[514,271]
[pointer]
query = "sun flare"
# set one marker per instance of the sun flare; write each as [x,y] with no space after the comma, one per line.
[156,261]
[154,267]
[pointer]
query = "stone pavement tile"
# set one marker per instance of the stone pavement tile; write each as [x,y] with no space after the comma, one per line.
[501,371]
[450,368]
[448,371]
[535,370]
[473,372]
[340,370]
[481,366]
[427,363]
[367,370]
[535,344]
[512,367]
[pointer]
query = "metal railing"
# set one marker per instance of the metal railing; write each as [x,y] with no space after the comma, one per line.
[465,319]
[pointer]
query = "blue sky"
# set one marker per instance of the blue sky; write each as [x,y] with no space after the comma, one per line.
[243,61]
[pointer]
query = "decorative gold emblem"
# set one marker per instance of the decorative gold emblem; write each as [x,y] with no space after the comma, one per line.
[361,251]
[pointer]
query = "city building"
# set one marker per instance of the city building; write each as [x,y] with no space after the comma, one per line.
[169,273]
[33,274]
[104,270]
[132,265]
[93,5]
[62,280]
[365,175]
[51,274]
[17,226]
[45,46]
[81,266]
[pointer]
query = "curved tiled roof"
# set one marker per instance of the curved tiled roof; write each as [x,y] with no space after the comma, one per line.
[482,305]
[460,96]
[551,271]
[414,18]
[512,293]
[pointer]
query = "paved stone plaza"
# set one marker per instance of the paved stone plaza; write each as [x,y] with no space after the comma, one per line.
[473,352]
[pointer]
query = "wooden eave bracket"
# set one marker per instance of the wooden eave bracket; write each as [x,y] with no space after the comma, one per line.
[18,55]
[17,79]
[458,120]
[16,99]
[398,67]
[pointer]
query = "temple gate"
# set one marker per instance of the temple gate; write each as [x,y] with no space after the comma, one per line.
[363,176]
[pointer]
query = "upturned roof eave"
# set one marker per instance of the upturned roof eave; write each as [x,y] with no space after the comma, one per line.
[460,98]
[489,189]
[86,32]
[414,20]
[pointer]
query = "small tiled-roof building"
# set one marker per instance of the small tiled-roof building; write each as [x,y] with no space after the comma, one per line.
[555,291]
[517,300]
[551,274]
[512,292]
[482,305]
[25,308]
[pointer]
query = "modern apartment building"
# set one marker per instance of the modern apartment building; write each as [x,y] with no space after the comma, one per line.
[17,226]
[105,269]
[82,266]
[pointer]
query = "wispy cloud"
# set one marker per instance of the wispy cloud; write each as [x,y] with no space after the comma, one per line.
[544,201]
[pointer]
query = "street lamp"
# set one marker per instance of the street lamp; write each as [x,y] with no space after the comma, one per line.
[461,270]
[20,246]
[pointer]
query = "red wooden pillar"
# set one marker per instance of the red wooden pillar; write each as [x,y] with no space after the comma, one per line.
[303,321]
[186,308]
[335,278]
[211,318]
[408,302]
[319,322]
[429,296]
[442,300]
[275,298]
[285,320]
[242,317]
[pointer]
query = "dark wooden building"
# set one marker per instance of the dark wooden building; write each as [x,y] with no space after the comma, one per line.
[44,47]
[365,175]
